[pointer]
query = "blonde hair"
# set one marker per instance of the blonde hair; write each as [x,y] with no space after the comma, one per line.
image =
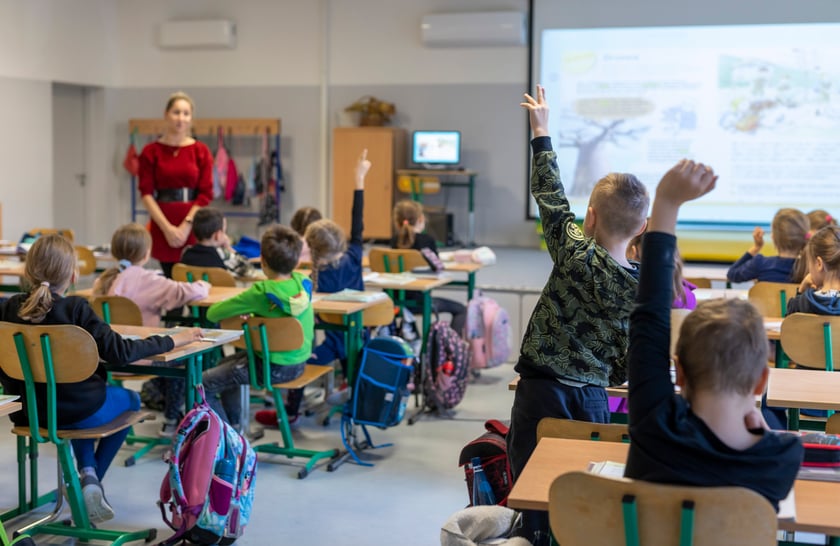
[175,97]
[327,244]
[621,202]
[723,346]
[130,242]
[819,218]
[50,264]
[407,214]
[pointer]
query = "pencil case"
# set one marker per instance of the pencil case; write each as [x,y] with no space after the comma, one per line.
[821,449]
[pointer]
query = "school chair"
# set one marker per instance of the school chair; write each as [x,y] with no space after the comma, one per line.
[832,426]
[216,276]
[809,341]
[395,260]
[67,233]
[121,310]
[591,510]
[770,298]
[86,260]
[278,334]
[52,355]
[700,282]
[550,427]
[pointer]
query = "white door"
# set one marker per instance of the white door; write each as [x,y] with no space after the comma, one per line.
[69,165]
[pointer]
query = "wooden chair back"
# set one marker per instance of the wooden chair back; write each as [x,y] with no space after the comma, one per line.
[67,233]
[832,426]
[380,314]
[770,298]
[117,310]
[283,333]
[395,260]
[216,276]
[700,282]
[812,341]
[591,510]
[86,260]
[74,353]
[550,427]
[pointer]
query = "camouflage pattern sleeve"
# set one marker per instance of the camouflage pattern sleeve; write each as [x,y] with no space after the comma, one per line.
[558,220]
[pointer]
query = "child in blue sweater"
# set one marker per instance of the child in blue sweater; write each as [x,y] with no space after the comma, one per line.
[790,233]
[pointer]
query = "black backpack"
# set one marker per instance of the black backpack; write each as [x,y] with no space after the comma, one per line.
[491,448]
[448,363]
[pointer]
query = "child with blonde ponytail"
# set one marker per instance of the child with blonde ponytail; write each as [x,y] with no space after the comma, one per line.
[154,294]
[50,269]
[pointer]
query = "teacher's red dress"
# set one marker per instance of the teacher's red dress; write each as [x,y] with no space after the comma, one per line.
[164,167]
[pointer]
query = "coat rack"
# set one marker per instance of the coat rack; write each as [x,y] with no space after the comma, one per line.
[209,127]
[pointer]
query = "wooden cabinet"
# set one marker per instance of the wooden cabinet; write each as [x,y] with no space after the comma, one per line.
[387,153]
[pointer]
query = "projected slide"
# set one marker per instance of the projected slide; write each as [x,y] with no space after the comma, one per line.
[759,103]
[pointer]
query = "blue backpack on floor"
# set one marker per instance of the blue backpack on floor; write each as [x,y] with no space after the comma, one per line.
[382,392]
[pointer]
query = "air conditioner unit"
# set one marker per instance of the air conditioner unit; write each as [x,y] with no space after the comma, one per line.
[205,34]
[485,28]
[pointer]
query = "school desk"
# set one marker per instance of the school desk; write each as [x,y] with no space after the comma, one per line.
[816,510]
[803,389]
[470,269]
[163,364]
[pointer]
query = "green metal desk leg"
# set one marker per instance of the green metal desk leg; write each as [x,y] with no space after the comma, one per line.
[193,369]
[471,211]
[470,285]
[793,418]
[353,343]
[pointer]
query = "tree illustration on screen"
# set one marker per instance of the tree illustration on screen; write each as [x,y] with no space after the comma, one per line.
[600,122]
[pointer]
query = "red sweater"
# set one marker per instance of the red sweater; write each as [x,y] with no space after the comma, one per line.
[171,167]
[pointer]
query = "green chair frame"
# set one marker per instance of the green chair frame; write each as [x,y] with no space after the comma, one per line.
[285,334]
[35,347]
[126,312]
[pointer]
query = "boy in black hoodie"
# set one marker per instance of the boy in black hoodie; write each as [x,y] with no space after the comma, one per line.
[711,434]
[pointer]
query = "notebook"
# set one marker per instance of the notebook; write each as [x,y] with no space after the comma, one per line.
[348,294]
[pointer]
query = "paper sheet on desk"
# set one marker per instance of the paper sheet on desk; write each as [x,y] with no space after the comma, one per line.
[388,278]
[610,469]
[6,398]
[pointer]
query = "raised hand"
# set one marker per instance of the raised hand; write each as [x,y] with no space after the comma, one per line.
[687,180]
[362,168]
[758,241]
[537,112]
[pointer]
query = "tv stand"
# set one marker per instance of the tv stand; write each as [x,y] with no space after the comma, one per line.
[447,177]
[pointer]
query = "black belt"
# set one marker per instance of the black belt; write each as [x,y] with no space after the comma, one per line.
[180,195]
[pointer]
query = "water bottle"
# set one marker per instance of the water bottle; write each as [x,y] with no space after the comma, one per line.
[482,493]
[225,469]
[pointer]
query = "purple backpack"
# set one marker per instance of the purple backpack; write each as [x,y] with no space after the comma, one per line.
[209,487]
[488,332]
[448,363]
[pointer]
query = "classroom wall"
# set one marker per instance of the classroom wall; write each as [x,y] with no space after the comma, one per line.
[26,155]
[300,61]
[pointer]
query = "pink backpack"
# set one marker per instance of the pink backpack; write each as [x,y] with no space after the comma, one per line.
[209,487]
[488,332]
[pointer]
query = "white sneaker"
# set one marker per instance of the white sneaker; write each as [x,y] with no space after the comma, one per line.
[338,397]
[97,506]
[168,429]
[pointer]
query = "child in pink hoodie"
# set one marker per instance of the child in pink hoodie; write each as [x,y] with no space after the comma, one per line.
[153,293]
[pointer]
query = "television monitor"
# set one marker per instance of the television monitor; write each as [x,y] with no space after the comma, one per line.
[436,148]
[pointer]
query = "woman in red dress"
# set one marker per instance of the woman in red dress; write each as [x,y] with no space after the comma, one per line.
[176,179]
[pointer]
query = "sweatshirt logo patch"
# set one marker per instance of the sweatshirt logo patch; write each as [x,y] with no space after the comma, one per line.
[574,232]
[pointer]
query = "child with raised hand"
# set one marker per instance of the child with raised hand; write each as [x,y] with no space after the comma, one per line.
[712,434]
[790,233]
[409,224]
[336,265]
[284,293]
[576,340]
[50,269]
[819,292]
[154,294]
[213,247]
